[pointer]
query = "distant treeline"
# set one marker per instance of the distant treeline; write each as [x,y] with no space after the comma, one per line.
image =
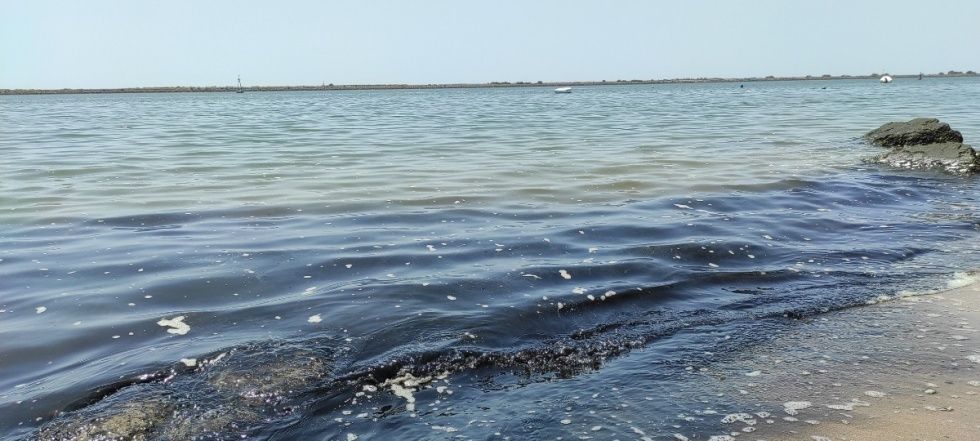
[173,89]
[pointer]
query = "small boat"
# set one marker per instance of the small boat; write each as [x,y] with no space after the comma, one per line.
[885,79]
[240,88]
[563,90]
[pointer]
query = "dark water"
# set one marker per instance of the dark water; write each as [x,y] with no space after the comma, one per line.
[541,265]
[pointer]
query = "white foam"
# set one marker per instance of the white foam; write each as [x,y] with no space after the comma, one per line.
[447,429]
[849,406]
[315,318]
[451,297]
[578,290]
[739,417]
[189,362]
[405,387]
[176,325]
[40,309]
[564,274]
[794,407]
[961,279]
[974,358]
[874,393]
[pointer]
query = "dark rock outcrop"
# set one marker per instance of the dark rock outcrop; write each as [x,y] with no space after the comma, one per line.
[953,157]
[924,143]
[919,131]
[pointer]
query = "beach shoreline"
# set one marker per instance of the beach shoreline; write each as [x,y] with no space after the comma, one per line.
[490,85]
[905,368]
[940,406]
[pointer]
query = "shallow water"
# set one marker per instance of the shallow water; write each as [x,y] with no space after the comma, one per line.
[518,242]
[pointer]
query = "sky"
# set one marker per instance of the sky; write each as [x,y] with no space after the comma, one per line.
[125,43]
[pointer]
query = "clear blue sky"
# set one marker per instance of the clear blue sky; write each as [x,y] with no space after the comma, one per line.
[120,43]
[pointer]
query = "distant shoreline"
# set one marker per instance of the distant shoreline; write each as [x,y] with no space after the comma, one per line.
[332,87]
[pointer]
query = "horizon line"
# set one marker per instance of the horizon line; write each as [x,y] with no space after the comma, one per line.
[491,84]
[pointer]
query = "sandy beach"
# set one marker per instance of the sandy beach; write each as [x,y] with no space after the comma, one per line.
[941,405]
[902,369]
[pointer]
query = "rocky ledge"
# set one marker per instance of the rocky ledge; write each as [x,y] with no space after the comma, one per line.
[924,143]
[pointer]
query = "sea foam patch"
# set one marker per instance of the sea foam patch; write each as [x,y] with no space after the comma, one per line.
[794,407]
[176,325]
[962,279]
[405,387]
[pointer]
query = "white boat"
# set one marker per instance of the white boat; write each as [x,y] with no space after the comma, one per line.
[885,79]
[563,90]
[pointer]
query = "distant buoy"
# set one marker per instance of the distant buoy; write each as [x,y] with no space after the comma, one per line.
[885,79]
[563,90]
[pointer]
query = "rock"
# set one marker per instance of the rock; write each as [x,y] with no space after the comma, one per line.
[951,156]
[918,131]
[924,143]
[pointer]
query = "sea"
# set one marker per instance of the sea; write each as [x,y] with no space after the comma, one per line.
[484,263]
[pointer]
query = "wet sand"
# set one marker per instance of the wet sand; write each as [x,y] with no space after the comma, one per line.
[906,368]
[942,405]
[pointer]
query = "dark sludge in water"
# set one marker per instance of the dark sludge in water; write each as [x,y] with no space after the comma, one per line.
[224,396]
